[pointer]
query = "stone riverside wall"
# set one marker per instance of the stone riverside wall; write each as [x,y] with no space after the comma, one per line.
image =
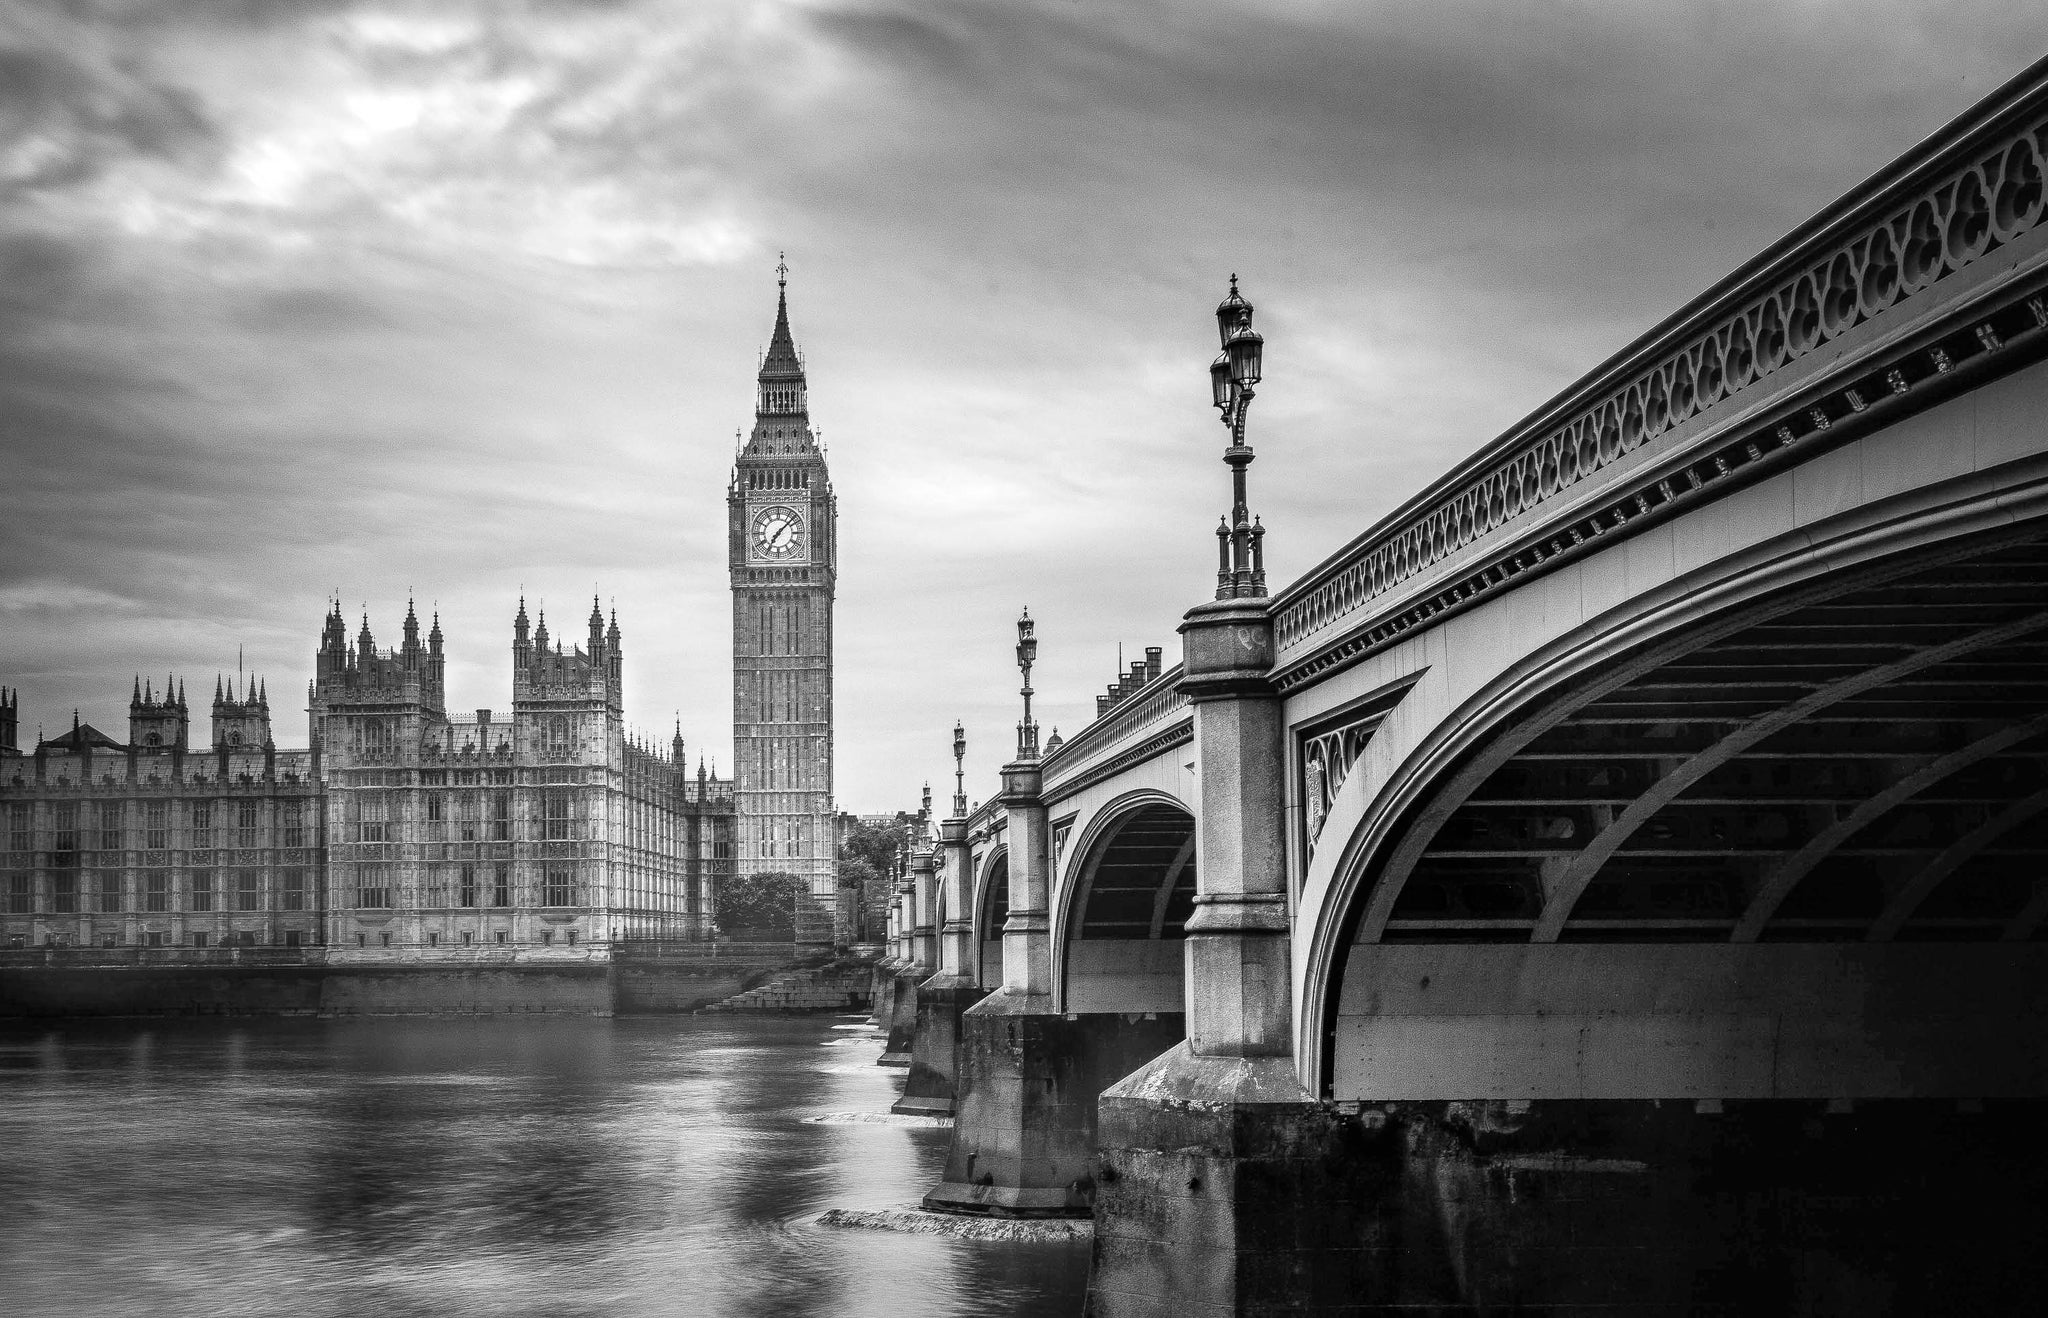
[586,988]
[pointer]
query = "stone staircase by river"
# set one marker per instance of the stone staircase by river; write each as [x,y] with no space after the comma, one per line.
[819,988]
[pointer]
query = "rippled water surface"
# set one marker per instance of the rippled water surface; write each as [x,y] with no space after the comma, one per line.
[477,1166]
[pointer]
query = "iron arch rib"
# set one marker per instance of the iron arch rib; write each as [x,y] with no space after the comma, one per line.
[1579,874]
[2022,926]
[1952,858]
[1780,882]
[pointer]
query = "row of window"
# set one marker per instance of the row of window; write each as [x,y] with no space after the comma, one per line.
[468,887]
[73,827]
[373,815]
[377,738]
[203,890]
[242,938]
[435,778]
[466,936]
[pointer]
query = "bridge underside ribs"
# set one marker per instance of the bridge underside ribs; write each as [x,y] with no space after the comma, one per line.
[1123,951]
[1863,768]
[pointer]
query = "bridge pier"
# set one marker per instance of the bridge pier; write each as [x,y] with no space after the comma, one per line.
[896,980]
[1224,1187]
[1029,1075]
[934,1069]
[1637,1206]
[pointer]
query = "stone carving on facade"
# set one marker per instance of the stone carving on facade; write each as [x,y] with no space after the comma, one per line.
[1326,760]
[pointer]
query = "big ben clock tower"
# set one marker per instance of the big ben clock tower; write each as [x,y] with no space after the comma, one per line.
[783,548]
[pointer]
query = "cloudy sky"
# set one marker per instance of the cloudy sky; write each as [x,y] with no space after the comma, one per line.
[302,298]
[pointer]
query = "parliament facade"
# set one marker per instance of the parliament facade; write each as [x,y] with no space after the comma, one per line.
[403,833]
[406,831]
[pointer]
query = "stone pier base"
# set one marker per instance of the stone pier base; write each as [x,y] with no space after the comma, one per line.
[901,1020]
[1024,1112]
[1217,1195]
[930,1088]
[1222,1189]
[882,993]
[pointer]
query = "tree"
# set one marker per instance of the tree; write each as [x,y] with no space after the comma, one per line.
[763,908]
[867,863]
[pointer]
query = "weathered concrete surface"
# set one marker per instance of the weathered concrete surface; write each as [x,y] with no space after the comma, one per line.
[161,991]
[1687,1021]
[576,990]
[591,988]
[931,1085]
[1221,1189]
[1217,1195]
[1778,1207]
[1024,1116]
[640,988]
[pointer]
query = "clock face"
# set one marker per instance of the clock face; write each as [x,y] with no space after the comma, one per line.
[778,534]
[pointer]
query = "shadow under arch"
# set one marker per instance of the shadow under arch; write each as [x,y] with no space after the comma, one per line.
[1796,754]
[1122,909]
[991,909]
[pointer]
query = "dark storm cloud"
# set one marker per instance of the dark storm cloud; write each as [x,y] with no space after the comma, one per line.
[63,123]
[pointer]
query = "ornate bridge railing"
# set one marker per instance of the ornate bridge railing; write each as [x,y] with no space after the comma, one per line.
[1149,706]
[1894,282]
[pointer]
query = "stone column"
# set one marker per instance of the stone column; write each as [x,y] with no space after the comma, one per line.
[956,882]
[934,1065]
[924,903]
[1216,1163]
[1027,934]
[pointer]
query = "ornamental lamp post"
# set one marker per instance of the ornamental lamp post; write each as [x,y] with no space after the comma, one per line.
[1027,652]
[1240,539]
[959,770]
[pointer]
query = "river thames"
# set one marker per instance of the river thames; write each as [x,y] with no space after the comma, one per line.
[500,1166]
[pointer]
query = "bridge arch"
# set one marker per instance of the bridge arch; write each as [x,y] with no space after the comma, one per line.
[1838,738]
[991,909]
[1121,904]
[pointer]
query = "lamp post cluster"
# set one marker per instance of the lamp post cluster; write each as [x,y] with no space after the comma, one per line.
[1240,539]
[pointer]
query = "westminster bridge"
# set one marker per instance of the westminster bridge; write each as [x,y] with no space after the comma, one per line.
[1617,879]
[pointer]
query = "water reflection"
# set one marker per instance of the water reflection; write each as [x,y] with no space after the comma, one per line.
[453,1166]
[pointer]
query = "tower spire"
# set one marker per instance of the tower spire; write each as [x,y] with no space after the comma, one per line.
[782,372]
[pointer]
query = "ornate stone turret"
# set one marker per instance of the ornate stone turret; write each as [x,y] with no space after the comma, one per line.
[406,683]
[155,721]
[241,718]
[10,713]
[544,672]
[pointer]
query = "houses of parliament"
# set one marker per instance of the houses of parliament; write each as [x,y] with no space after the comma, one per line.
[407,831]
